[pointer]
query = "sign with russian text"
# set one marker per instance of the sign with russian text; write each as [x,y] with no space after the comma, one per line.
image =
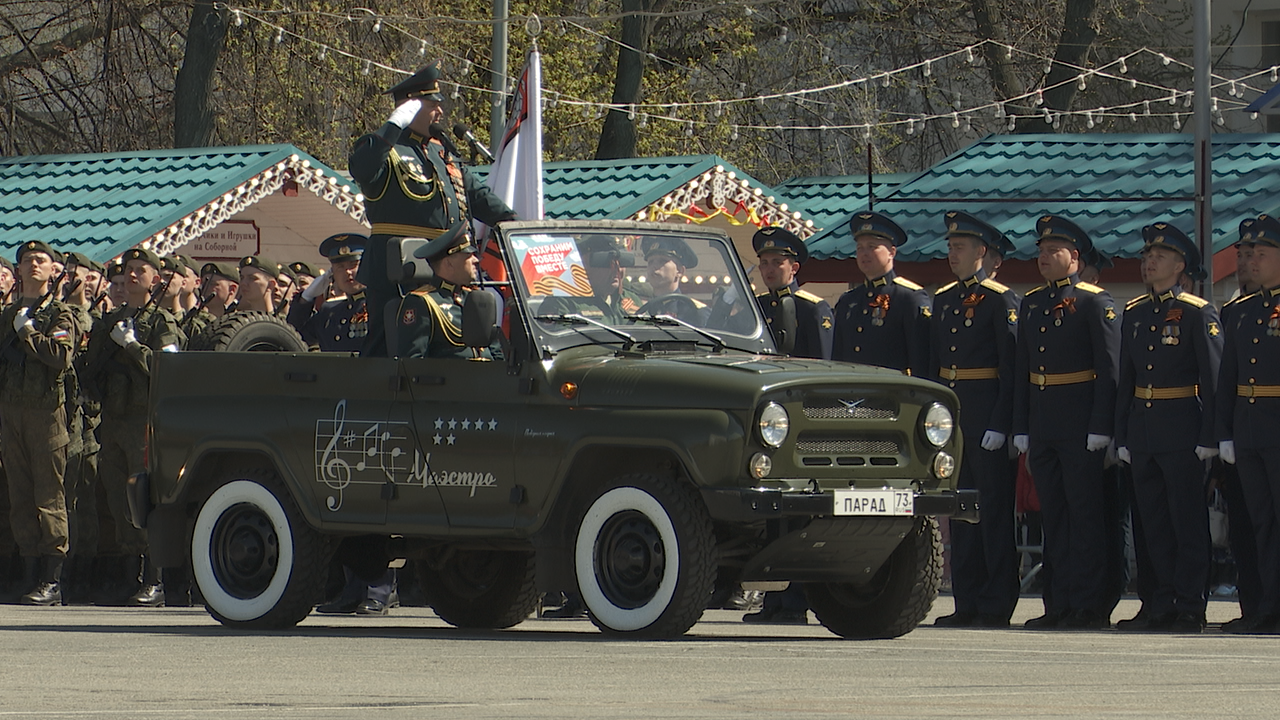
[232,239]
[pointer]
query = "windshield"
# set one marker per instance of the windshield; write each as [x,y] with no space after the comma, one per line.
[594,286]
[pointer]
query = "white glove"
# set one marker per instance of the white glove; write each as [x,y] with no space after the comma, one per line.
[730,296]
[1204,453]
[318,286]
[122,334]
[1094,443]
[21,320]
[992,441]
[405,113]
[1124,456]
[1021,443]
[1227,449]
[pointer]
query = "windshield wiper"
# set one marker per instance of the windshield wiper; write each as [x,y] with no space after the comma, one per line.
[717,341]
[576,319]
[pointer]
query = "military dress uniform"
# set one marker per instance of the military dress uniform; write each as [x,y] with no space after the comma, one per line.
[413,187]
[1171,346]
[1249,416]
[885,320]
[34,431]
[119,377]
[973,340]
[1065,391]
[340,323]
[815,324]
[429,319]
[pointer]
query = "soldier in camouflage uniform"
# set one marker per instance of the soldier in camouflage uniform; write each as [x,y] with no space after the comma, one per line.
[37,353]
[116,369]
[259,282]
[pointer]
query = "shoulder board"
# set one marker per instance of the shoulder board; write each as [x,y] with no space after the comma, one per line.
[993,285]
[1192,300]
[1036,289]
[698,303]
[1232,301]
[946,287]
[423,291]
[1245,298]
[1089,287]
[907,283]
[806,295]
[1136,302]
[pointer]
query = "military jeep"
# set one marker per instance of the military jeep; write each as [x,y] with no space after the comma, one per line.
[642,450]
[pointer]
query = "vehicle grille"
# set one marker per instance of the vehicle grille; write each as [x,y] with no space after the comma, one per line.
[834,409]
[846,447]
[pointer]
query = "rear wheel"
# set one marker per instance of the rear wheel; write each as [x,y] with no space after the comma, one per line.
[250,332]
[256,561]
[480,588]
[645,557]
[894,601]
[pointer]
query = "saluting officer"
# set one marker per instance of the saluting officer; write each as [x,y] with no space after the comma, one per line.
[781,253]
[973,340]
[1249,415]
[339,323]
[1063,417]
[36,355]
[1171,345]
[413,187]
[429,321]
[885,321]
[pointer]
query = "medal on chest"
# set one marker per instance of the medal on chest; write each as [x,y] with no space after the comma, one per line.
[1273,325]
[1171,330]
[1066,307]
[970,304]
[879,309]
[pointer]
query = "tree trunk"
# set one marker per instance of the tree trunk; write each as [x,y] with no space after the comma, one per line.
[192,116]
[618,138]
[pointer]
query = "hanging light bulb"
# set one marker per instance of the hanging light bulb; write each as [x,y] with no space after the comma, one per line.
[1146,107]
[1080,84]
[782,38]
[1133,83]
[717,109]
[748,11]
[1000,113]
[1048,116]
[1165,59]
[644,120]
[1187,101]
[631,112]
[1214,107]
[1275,76]
[368,68]
[1039,98]
[1008,52]
[552,101]
[279,35]
[1221,120]
[237,18]
[968,55]
[1233,92]
[911,126]
[866,133]
[1048,67]
[466,67]
[422,49]
[955,120]
[324,51]
[1088,119]
[884,80]
[1124,68]
[1173,98]
[1133,117]
[453,95]
[733,134]
[1013,123]
[1253,116]
[1177,123]
[1057,121]
[928,68]
[377,25]
[968,124]
[688,130]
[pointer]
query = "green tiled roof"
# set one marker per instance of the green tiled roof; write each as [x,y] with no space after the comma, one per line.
[103,204]
[829,200]
[619,189]
[1110,185]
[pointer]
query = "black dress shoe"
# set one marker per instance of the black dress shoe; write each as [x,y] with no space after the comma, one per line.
[1148,622]
[957,619]
[148,596]
[1186,623]
[991,621]
[341,606]
[1086,620]
[371,607]
[46,593]
[1047,621]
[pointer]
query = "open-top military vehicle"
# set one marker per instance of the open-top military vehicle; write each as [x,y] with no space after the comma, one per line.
[642,450]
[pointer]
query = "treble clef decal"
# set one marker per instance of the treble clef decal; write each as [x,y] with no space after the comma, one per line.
[333,471]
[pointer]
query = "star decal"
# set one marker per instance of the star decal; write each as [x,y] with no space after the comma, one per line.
[439,423]
[493,424]
[452,423]
[437,438]
[466,424]
[451,438]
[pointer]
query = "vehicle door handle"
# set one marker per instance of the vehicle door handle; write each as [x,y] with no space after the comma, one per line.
[300,377]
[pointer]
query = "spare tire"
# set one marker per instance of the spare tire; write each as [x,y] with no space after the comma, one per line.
[250,332]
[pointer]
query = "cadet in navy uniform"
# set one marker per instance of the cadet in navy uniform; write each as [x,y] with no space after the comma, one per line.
[412,188]
[340,323]
[1063,417]
[430,317]
[781,253]
[972,345]
[1248,415]
[1170,348]
[885,321]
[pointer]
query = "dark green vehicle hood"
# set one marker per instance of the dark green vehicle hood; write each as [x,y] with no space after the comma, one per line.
[705,380]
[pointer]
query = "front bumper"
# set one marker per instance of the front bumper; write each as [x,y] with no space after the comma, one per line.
[746,505]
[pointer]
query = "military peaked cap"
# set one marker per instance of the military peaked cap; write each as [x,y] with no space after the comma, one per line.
[678,249]
[781,241]
[877,225]
[1267,231]
[1056,227]
[343,246]
[454,240]
[423,84]
[1162,234]
[966,225]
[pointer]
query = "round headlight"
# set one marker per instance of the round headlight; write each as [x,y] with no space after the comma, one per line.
[943,466]
[773,424]
[761,465]
[938,425]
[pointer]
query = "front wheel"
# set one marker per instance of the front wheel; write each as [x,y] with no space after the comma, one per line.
[256,561]
[896,598]
[645,557]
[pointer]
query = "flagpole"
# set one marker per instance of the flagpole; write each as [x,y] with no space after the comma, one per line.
[498,109]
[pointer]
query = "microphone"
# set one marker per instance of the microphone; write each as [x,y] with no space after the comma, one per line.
[462,132]
[437,132]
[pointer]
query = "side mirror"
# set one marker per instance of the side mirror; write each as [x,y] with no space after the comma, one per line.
[784,325]
[480,319]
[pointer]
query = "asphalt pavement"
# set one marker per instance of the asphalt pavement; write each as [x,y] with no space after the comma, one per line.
[86,662]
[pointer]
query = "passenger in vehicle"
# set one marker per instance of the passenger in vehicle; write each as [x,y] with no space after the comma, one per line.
[429,320]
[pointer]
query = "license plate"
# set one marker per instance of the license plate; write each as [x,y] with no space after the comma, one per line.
[875,502]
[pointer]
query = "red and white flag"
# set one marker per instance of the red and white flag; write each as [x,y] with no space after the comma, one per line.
[516,174]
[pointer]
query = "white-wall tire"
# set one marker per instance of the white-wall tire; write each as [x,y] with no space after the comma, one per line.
[643,556]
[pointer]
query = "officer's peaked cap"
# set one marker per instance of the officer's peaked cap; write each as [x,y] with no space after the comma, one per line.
[423,84]
[1056,227]
[877,225]
[781,241]
[1162,234]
